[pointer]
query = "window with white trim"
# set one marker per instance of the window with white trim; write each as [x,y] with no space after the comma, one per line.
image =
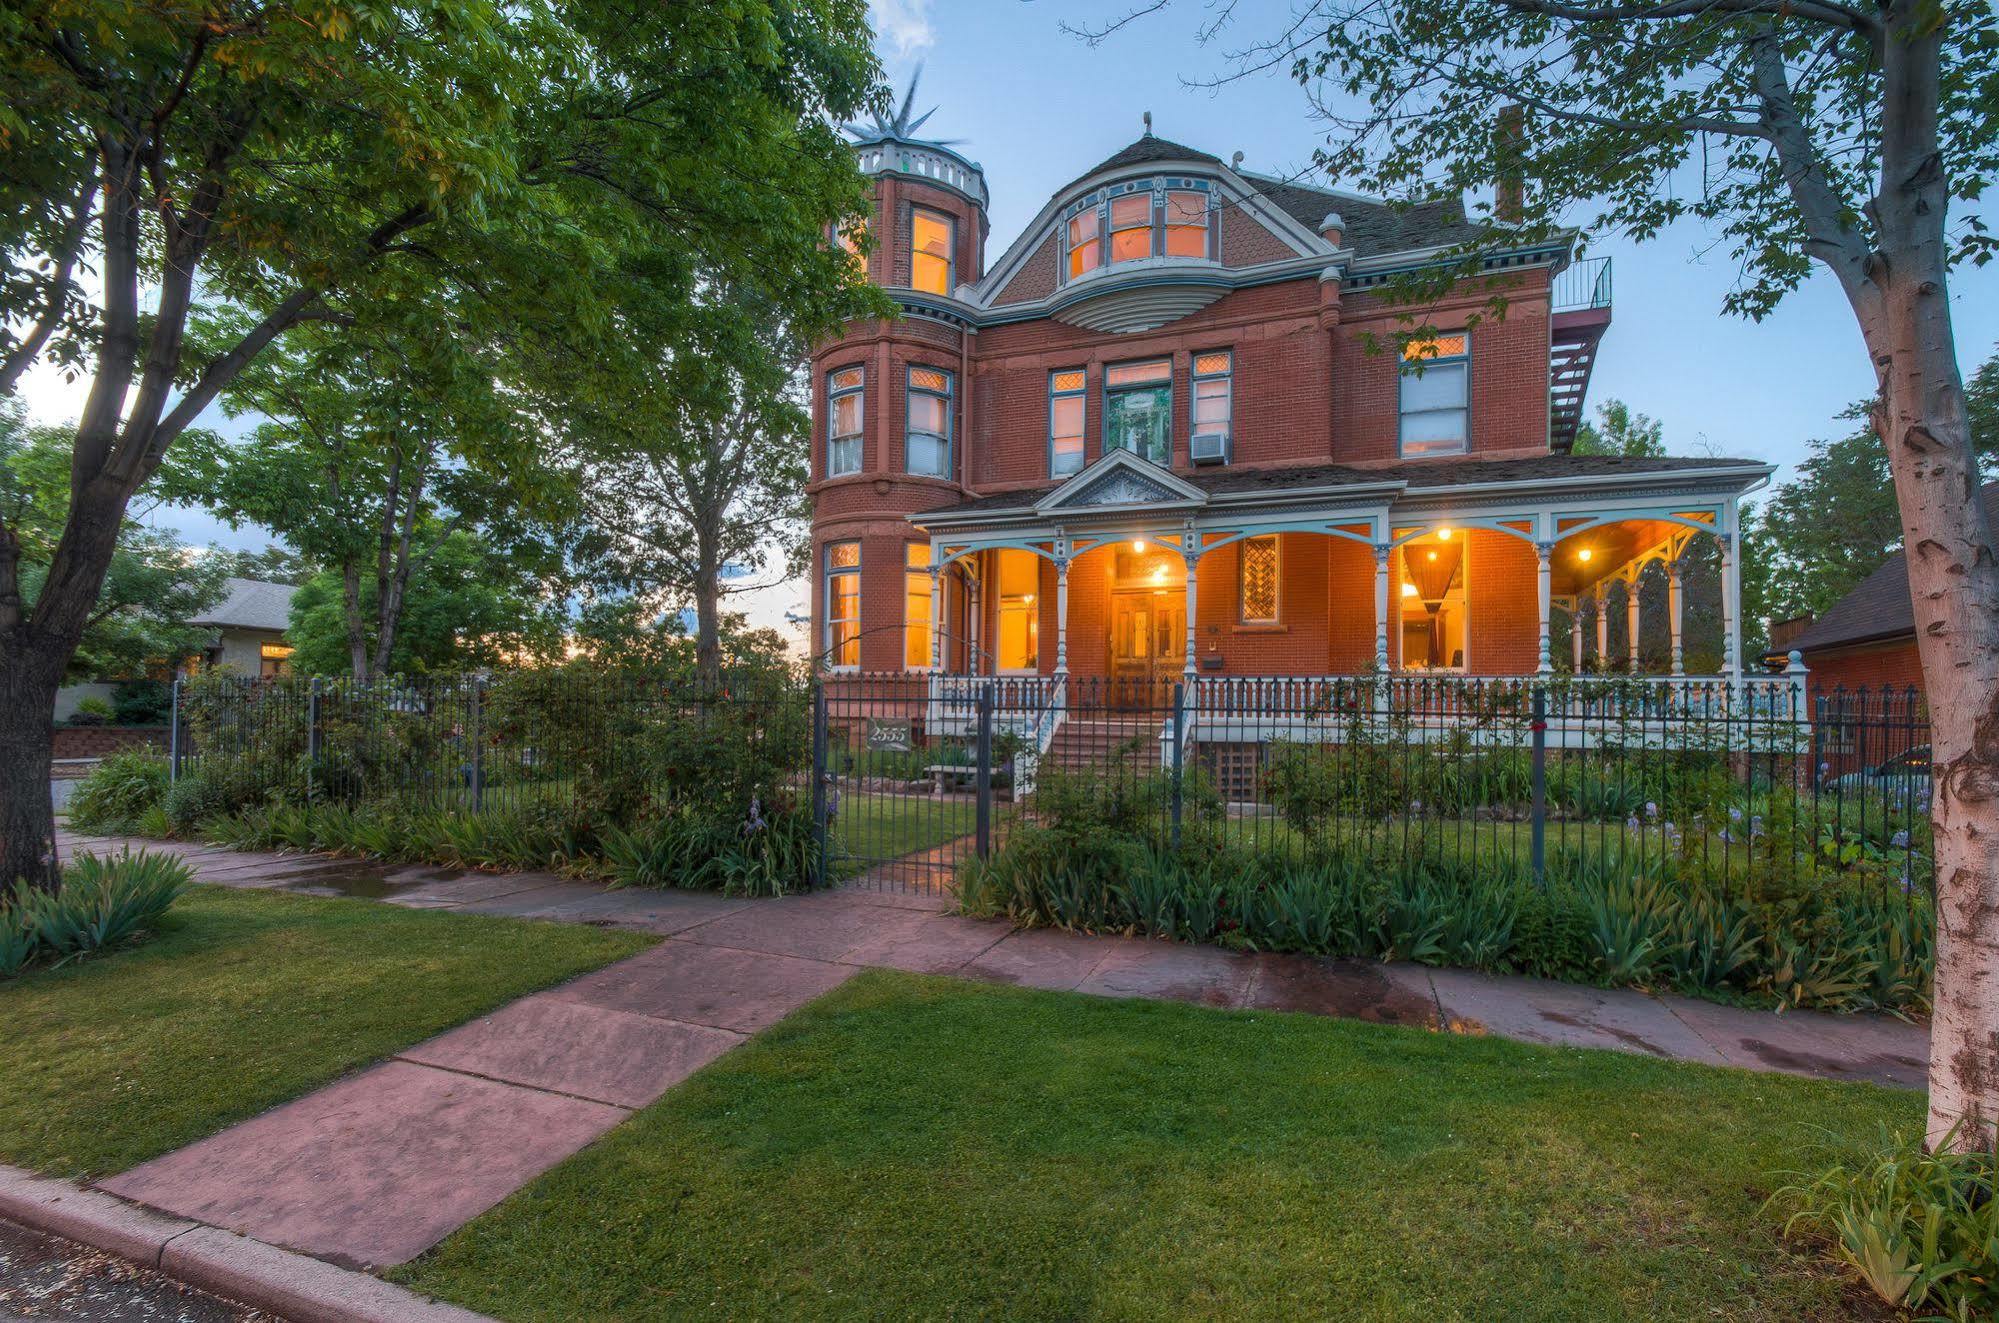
[1131,227]
[1214,395]
[932,235]
[916,623]
[843,603]
[845,394]
[1085,242]
[1186,224]
[1436,395]
[1138,409]
[927,438]
[1257,576]
[1066,391]
[1017,575]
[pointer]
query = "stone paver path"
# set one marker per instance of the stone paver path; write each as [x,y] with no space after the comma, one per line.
[375,1169]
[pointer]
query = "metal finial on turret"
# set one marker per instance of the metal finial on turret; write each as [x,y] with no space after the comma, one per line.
[1148,124]
[1235,162]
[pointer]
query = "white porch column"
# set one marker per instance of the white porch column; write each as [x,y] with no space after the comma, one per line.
[936,614]
[1674,611]
[1601,612]
[1576,633]
[1382,551]
[1062,616]
[974,624]
[1731,598]
[1544,553]
[1631,613]
[1193,559]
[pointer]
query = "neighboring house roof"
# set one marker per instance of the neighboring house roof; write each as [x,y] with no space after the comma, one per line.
[1416,475]
[250,604]
[1373,227]
[1880,606]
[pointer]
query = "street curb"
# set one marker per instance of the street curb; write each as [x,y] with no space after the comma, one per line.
[295,1287]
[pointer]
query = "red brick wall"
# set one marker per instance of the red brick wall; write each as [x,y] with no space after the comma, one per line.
[97,741]
[1893,664]
[1502,621]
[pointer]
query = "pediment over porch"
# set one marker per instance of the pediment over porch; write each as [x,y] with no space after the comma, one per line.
[1121,479]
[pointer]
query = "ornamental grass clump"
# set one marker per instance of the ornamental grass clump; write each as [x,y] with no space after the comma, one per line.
[1919,1227]
[103,903]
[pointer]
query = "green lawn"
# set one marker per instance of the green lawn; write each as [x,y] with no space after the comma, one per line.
[871,827]
[922,1148]
[243,1000]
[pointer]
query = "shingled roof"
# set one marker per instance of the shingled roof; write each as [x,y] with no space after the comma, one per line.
[1372,227]
[1147,149]
[250,604]
[1418,475]
[1879,607]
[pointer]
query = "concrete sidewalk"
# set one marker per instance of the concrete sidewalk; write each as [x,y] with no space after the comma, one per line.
[375,1169]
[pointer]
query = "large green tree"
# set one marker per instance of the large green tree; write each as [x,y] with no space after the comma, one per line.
[703,491]
[294,162]
[154,585]
[1852,138]
[1835,522]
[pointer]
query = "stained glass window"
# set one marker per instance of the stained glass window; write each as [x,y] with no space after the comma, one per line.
[1138,409]
[1259,580]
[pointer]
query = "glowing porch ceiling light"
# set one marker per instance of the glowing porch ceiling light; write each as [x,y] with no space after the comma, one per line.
[1443,535]
[1584,554]
[1408,590]
[1138,546]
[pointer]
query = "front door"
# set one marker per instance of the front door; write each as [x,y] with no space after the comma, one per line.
[1148,646]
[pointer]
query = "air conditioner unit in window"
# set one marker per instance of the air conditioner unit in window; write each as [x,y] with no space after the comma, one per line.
[1211,448]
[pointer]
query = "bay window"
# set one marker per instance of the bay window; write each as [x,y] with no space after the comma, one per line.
[1186,224]
[927,438]
[1131,227]
[843,604]
[845,392]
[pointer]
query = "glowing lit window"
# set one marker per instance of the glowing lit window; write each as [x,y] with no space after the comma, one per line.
[843,603]
[927,440]
[1065,422]
[1138,409]
[1085,242]
[844,395]
[930,241]
[1019,580]
[916,623]
[1131,227]
[851,237]
[1259,580]
[1186,224]
[1436,395]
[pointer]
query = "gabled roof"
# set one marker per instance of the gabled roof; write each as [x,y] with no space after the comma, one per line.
[1879,607]
[250,604]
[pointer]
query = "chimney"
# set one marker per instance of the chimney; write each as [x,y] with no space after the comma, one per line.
[1509,137]
[1333,230]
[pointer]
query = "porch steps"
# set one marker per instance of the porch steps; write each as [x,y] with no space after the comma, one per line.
[1083,743]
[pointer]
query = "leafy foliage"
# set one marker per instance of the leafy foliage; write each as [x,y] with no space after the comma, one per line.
[104,902]
[119,791]
[1919,1226]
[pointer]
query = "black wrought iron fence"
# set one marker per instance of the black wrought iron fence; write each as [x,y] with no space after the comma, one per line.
[906,775]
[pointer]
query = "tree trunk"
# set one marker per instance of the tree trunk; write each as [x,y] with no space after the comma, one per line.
[1904,312]
[357,633]
[29,678]
[708,619]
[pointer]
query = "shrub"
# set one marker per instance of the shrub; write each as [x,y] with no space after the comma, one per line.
[93,711]
[142,702]
[103,903]
[764,854]
[210,790]
[1920,1228]
[120,791]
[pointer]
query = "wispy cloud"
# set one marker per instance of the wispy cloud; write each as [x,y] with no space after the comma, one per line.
[904,25]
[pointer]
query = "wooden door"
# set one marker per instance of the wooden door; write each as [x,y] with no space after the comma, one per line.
[1148,647]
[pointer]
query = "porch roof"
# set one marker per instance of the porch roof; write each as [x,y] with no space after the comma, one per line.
[1427,478]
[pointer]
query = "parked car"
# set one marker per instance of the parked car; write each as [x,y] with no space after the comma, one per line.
[1904,778]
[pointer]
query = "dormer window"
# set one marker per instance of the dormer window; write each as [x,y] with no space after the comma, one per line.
[1186,224]
[1085,243]
[931,236]
[1131,227]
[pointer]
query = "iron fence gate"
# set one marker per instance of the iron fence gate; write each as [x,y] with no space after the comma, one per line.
[910,779]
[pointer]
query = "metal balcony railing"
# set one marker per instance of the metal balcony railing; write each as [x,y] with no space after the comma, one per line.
[1583,285]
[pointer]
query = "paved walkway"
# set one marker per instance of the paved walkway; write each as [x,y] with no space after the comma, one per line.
[376,1168]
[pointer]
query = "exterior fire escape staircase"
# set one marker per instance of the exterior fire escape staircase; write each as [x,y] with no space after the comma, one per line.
[1581,314]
